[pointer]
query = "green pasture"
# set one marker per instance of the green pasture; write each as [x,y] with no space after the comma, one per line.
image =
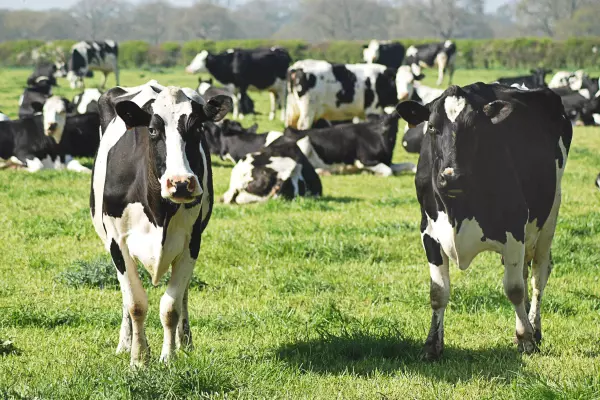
[323,298]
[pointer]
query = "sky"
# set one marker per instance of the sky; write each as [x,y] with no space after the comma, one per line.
[491,5]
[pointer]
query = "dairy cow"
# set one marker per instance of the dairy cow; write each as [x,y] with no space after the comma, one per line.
[260,69]
[279,170]
[536,79]
[489,179]
[151,199]
[87,56]
[319,89]
[429,55]
[390,54]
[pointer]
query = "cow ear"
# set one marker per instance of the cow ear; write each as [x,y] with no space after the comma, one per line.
[253,128]
[413,112]
[132,114]
[37,106]
[498,110]
[217,107]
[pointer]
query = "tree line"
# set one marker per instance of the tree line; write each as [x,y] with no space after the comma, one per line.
[158,21]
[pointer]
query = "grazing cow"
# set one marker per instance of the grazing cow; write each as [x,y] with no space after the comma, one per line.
[260,69]
[573,80]
[87,101]
[44,74]
[277,170]
[385,53]
[413,137]
[207,90]
[319,89]
[366,145]
[151,199]
[537,79]
[233,142]
[581,106]
[488,179]
[91,55]
[428,55]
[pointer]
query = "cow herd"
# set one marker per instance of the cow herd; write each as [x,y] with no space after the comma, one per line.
[492,157]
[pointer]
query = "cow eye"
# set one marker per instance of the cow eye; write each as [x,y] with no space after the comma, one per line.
[433,131]
[153,132]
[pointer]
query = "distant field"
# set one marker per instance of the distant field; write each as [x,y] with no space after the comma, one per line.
[325,298]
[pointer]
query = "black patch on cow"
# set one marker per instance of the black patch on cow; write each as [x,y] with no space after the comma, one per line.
[348,81]
[117,257]
[369,94]
[305,81]
[77,63]
[433,250]
[385,86]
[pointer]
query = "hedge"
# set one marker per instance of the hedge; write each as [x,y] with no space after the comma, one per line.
[488,53]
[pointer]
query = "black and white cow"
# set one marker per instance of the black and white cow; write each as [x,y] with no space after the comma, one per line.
[597,182]
[583,105]
[318,89]
[151,199]
[260,69]
[279,170]
[80,137]
[366,146]
[208,90]
[87,56]
[428,55]
[537,79]
[34,96]
[45,74]
[390,54]
[489,179]
[573,80]
[87,101]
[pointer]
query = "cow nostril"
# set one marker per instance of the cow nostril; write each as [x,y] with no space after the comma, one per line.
[52,126]
[191,186]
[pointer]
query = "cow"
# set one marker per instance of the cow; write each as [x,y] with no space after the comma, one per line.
[318,89]
[231,141]
[151,199]
[390,54]
[207,90]
[87,101]
[261,69]
[582,105]
[408,86]
[489,179]
[279,170]
[573,80]
[428,55]
[80,137]
[87,56]
[366,146]
[44,72]
[537,79]
[38,90]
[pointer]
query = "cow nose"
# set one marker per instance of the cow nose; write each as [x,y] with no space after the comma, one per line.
[181,187]
[52,127]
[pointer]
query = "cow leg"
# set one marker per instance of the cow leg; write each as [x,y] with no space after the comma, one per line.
[184,334]
[439,294]
[514,287]
[273,98]
[441,60]
[135,301]
[171,303]
[124,345]
[104,78]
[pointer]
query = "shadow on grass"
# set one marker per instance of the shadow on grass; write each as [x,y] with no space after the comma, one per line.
[339,199]
[363,355]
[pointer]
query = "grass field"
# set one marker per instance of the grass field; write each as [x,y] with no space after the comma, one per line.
[324,298]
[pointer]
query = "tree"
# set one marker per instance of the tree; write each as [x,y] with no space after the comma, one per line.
[583,23]
[543,15]
[91,17]
[153,20]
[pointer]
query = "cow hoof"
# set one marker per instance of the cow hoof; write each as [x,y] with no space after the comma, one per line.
[527,347]
[537,336]
[433,350]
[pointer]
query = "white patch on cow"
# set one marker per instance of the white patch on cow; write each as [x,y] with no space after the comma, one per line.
[55,117]
[448,171]
[426,93]
[371,53]
[241,176]
[75,166]
[405,143]
[203,87]
[447,43]
[520,86]
[284,166]
[585,93]
[170,105]
[34,165]
[86,98]
[425,127]
[272,136]
[111,43]
[405,79]
[198,64]
[4,117]
[596,118]
[411,51]
[454,106]
[229,51]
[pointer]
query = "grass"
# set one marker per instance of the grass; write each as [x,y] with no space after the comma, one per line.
[323,298]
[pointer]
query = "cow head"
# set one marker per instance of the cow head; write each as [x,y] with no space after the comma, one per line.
[259,177]
[198,64]
[455,127]
[405,79]
[371,52]
[204,85]
[174,124]
[54,114]
[540,76]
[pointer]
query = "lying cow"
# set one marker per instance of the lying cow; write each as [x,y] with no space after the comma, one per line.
[260,69]
[231,141]
[390,54]
[537,79]
[366,146]
[89,56]
[582,105]
[429,55]
[573,80]
[151,199]
[319,89]
[489,179]
[46,72]
[34,96]
[279,170]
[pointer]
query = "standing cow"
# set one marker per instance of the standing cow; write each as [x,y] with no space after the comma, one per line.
[318,89]
[260,69]
[428,55]
[151,199]
[390,54]
[489,179]
[88,56]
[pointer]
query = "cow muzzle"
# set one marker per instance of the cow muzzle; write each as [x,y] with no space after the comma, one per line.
[181,189]
[449,182]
